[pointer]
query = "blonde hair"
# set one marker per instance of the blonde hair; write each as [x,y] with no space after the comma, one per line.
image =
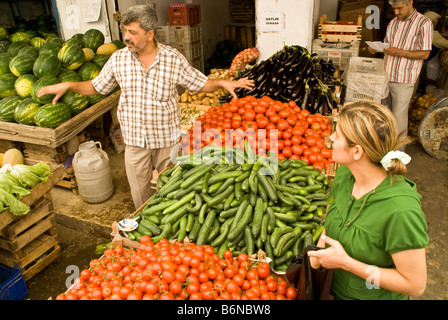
[372,126]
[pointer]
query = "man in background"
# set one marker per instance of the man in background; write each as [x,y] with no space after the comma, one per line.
[409,36]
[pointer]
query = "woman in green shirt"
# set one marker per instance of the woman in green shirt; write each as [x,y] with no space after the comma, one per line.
[375,230]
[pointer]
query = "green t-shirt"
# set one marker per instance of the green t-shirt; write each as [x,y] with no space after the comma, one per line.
[384,221]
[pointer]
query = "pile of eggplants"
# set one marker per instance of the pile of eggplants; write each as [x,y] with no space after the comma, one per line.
[293,73]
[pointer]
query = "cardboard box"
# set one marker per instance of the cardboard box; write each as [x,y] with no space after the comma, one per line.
[351,10]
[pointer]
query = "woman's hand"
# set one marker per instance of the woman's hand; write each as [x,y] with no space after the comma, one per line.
[334,257]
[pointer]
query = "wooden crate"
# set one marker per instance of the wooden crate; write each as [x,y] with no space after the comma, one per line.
[331,31]
[55,137]
[30,241]
[54,155]
[69,181]
[40,190]
[244,35]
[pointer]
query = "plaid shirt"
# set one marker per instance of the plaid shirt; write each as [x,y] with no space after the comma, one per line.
[148,109]
[414,33]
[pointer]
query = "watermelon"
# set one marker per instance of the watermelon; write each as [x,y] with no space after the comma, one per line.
[78,37]
[100,60]
[42,82]
[3,33]
[75,101]
[120,44]
[92,39]
[71,56]
[55,40]
[21,64]
[52,115]
[30,50]
[50,48]
[15,47]
[96,98]
[47,65]
[33,33]
[24,85]
[73,42]
[5,58]
[4,45]
[37,42]
[69,75]
[88,71]
[7,85]
[25,111]
[19,37]
[7,107]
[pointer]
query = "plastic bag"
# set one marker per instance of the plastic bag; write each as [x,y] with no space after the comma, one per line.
[433,68]
[311,284]
[117,138]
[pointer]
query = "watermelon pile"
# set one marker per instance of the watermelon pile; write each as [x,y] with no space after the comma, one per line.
[32,59]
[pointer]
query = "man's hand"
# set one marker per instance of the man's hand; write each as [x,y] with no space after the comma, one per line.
[395,52]
[371,50]
[245,83]
[229,85]
[57,89]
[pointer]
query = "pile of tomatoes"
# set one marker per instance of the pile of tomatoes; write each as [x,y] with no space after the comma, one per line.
[176,271]
[299,135]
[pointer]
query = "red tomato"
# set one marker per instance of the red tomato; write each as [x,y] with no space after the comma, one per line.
[282,125]
[262,122]
[249,114]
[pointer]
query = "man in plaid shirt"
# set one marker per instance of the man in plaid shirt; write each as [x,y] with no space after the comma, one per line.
[148,74]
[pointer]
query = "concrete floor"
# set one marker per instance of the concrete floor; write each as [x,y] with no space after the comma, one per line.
[82,226]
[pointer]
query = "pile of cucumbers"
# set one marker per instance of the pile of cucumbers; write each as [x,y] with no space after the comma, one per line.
[234,199]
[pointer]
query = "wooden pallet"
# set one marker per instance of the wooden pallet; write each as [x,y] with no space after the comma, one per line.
[69,181]
[30,242]
[331,31]
[40,190]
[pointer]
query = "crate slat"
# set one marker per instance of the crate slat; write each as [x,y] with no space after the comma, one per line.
[56,137]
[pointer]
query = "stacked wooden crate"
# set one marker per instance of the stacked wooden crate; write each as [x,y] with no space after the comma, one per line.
[339,31]
[30,241]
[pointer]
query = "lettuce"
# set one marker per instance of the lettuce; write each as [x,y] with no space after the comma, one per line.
[11,185]
[28,176]
[14,205]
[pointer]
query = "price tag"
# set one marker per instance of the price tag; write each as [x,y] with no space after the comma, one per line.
[91,10]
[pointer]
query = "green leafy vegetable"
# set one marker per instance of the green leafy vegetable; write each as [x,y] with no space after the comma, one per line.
[14,205]
[28,176]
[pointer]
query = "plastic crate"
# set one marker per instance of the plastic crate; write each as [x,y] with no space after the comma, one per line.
[191,51]
[184,14]
[163,34]
[12,284]
[339,54]
[367,79]
[185,34]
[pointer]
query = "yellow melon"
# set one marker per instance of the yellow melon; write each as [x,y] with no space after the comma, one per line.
[1,159]
[89,54]
[107,48]
[12,156]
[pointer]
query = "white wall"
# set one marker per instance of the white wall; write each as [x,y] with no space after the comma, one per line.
[297,20]
[72,14]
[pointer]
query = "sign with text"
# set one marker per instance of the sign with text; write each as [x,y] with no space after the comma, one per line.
[272,21]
